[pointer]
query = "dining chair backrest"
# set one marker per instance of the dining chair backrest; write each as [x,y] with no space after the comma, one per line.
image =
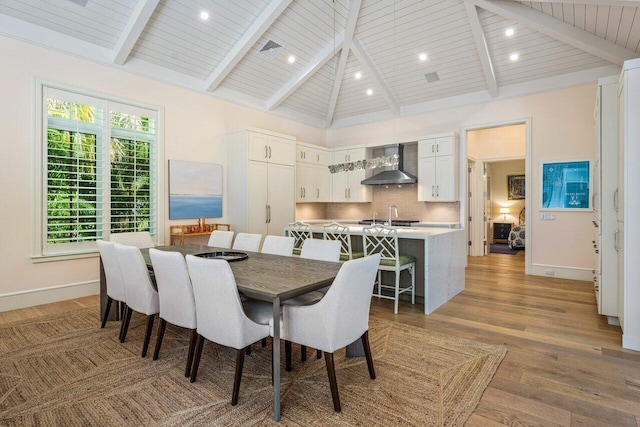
[278,245]
[139,239]
[139,291]
[300,231]
[382,240]
[175,293]
[219,312]
[339,232]
[221,239]
[321,250]
[247,242]
[112,272]
[342,316]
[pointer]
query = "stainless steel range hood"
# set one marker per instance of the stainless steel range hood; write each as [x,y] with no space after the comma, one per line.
[392,174]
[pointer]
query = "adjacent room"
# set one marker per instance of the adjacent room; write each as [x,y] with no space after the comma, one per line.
[332,212]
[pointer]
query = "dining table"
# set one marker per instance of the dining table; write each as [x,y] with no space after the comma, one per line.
[265,277]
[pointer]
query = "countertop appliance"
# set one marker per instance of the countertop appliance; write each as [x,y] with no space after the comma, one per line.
[394,223]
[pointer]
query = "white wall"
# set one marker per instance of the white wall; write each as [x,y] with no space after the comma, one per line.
[561,128]
[194,123]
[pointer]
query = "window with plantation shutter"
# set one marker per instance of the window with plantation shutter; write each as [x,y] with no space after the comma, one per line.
[98,171]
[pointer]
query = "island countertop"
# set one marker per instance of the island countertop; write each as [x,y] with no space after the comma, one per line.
[403,232]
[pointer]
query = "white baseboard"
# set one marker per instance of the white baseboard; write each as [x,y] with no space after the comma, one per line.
[560,272]
[32,297]
[630,342]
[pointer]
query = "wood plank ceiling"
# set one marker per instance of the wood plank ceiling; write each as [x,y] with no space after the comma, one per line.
[558,44]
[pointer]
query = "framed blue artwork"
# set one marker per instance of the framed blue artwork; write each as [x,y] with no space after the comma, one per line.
[566,185]
[195,190]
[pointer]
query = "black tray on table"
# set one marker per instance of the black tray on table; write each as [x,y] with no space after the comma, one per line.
[229,256]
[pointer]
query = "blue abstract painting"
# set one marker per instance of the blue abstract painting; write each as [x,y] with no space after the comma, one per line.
[195,190]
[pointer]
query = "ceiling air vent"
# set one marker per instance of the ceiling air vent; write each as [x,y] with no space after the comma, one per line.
[432,77]
[271,49]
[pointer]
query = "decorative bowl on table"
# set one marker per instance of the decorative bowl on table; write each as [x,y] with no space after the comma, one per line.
[229,256]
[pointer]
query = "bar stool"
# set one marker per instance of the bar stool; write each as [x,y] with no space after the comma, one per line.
[300,231]
[337,231]
[384,240]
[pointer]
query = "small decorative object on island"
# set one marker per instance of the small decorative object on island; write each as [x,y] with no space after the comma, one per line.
[201,224]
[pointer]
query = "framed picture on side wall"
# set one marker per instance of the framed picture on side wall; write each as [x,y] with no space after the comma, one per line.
[566,185]
[515,187]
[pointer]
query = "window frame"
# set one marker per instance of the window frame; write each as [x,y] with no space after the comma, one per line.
[39,175]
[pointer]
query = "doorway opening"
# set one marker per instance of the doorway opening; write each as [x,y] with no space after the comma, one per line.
[498,164]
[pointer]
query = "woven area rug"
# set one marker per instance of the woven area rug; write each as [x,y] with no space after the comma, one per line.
[65,370]
[503,248]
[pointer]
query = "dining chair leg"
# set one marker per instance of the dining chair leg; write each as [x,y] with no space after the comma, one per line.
[303,353]
[147,335]
[161,329]
[106,312]
[333,382]
[264,342]
[287,356]
[192,346]
[125,326]
[123,309]
[318,354]
[367,354]
[196,358]
[247,350]
[238,376]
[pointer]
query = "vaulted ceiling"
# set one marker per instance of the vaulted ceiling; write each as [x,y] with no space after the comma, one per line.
[558,44]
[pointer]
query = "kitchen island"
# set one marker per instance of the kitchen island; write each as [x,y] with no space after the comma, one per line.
[440,259]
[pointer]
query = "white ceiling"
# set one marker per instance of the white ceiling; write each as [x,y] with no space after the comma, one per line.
[559,44]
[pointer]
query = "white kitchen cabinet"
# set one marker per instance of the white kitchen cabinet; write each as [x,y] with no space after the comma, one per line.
[628,235]
[438,168]
[260,181]
[345,186]
[313,179]
[605,184]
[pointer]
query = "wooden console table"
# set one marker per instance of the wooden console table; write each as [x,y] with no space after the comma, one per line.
[183,231]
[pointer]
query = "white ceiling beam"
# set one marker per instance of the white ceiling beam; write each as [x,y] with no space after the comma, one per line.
[482,48]
[131,33]
[350,28]
[558,29]
[629,3]
[316,63]
[246,42]
[362,57]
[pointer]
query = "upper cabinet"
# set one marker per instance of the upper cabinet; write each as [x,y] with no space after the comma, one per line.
[313,180]
[271,148]
[438,168]
[345,186]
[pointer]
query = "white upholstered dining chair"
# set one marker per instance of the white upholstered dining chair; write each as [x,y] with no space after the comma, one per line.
[221,239]
[338,319]
[175,293]
[114,280]
[140,294]
[139,239]
[278,245]
[220,315]
[247,242]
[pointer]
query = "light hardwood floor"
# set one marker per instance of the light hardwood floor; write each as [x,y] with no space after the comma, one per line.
[564,366]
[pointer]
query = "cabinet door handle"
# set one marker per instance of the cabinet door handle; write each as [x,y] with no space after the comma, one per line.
[266,214]
[304,192]
[317,193]
[269,211]
[345,193]
[615,200]
[269,152]
[433,193]
[615,239]
[349,189]
[433,148]
[437,190]
[318,156]
[437,148]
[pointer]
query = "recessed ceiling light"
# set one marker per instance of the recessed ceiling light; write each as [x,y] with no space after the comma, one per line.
[513,57]
[509,32]
[358,75]
[204,15]
[369,92]
[423,57]
[291,59]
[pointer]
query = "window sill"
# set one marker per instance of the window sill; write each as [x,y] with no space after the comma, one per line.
[36,259]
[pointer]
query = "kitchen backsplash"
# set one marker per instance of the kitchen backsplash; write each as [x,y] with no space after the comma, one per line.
[405,198]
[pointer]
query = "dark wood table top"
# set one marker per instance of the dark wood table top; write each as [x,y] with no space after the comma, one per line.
[264,277]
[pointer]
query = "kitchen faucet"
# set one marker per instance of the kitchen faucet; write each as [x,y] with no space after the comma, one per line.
[392,207]
[374,218]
